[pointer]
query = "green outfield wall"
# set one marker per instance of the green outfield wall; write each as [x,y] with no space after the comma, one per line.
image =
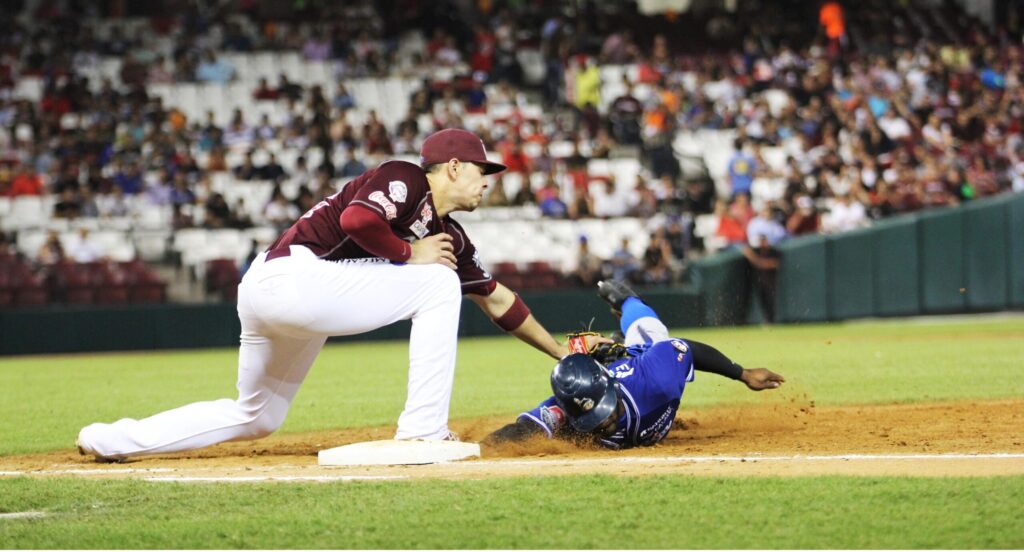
[66,329]
[965,259]
[954,260]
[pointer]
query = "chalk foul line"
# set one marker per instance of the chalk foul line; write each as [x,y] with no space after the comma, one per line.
[298,478]
[750,458]
[23,515]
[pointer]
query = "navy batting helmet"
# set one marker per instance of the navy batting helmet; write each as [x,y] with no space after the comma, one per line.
[585,390]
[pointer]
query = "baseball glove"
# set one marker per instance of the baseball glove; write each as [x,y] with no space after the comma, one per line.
[594,344]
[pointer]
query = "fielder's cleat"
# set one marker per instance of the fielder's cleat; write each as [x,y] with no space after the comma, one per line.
[615,294]
[452,436]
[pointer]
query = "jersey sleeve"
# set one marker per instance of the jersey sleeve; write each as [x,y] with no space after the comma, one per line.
[394,190]
[667,367]
[548,415]
[475,279]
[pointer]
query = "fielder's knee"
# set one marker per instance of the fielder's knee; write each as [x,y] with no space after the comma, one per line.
[261,422]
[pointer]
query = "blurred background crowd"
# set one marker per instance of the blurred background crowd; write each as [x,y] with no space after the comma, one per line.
[709,128]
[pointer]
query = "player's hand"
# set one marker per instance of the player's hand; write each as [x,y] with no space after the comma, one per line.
[758,379]
[434,249]
[585,342]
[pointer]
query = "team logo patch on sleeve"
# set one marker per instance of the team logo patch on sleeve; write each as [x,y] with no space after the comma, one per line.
[427,213]
[552,416]
[397,191]
[390,211]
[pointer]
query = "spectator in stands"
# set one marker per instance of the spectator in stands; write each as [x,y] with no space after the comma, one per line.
[343,99]
[272,170]
[742,168]
[217,213]
[608,201]
[764,266]
[524,195]
[846,214]
[280,212]
[351,166]
[87,207]
[69,205]
[181,193]
[678,235]
[585,269]
[304,200]
[644,201]
[496,196]
[730,228]
[114,204]
[264,92]
[214,70]
[804,219]
[657,260]
[52,251]
[624,116]
[238,134]
[515,158]
[247,170]
[317,47]
[476,97]
[741,209]
[549,199]
[26,182]
[129,177]
[623,265]
[765,226]
[287,88]
[84,249]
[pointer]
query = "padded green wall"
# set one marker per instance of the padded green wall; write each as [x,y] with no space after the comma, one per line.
[986,259]
[896,267]
[803,280]
[943,280]
[851,275]
[1015,231]
[723,283]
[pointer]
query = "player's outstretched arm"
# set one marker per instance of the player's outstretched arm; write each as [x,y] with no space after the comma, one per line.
[510,313]
[709,359]
[513,433]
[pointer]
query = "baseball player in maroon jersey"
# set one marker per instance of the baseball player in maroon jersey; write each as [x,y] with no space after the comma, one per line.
[380,250]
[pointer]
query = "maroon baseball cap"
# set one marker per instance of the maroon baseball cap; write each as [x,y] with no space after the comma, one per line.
[453,143]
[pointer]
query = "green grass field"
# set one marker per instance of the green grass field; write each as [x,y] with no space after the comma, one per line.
[45,400]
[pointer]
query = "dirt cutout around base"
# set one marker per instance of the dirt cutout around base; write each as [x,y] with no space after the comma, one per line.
[971,438]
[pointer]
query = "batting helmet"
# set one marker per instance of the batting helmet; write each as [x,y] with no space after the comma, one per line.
[585,390]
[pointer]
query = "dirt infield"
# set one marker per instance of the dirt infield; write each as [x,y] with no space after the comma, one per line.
[798,438]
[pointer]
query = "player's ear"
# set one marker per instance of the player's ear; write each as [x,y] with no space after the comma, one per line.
[454,167]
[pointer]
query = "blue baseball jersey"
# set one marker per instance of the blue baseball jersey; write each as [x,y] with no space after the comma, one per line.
[650,385]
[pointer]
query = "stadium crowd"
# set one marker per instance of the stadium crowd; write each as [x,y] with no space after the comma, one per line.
[872,122]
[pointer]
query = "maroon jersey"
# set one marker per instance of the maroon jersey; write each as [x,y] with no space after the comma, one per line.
[399,193]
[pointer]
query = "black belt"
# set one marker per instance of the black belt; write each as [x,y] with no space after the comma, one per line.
[278,253]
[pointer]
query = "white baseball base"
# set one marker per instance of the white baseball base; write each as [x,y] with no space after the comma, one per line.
[397,453]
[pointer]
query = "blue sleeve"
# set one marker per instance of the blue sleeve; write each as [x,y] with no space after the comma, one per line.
[634,309]
[669,366]
[548,415]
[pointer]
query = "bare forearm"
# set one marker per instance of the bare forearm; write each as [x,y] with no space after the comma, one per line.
[502,303]
[533,334]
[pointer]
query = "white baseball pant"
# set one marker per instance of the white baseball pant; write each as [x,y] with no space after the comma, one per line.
[288,307]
